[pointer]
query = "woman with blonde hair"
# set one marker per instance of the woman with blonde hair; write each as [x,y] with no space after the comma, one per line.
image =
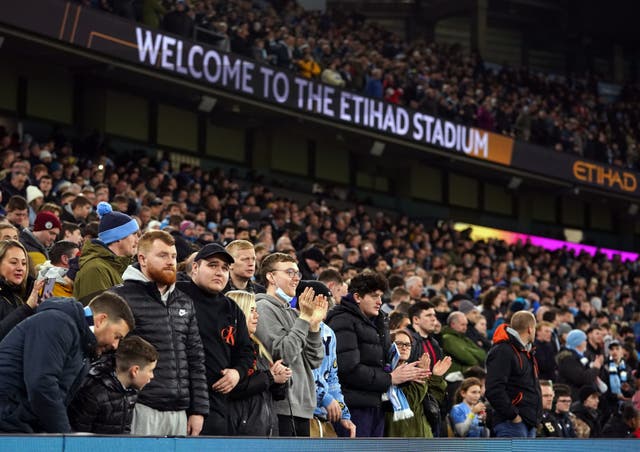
[251,408]
[15,284]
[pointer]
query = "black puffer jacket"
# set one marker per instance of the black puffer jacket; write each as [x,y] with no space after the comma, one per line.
[179,382]
[361,346]
[103,405]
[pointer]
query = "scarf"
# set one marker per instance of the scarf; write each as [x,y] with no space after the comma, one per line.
[394,394]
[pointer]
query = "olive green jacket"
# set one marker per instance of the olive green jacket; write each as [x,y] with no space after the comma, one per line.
[463,351]
[100,270]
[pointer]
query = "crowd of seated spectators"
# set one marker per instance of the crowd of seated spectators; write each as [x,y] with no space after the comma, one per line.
[341,48]
[481,282]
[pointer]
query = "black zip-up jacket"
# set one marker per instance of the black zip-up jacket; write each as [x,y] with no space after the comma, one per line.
[13,310]
[512,385]
[103,405]
[251,408]
[179,381]
[225,338]
[418,349]
[361,346]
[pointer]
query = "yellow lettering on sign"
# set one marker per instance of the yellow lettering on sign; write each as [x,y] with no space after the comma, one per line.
[607,177]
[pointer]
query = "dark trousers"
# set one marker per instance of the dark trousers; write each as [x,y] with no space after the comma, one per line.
[286,425]
[369,423]
[508,429]
[215,425]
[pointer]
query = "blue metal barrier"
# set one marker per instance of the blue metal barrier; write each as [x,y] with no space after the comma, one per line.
[73,443]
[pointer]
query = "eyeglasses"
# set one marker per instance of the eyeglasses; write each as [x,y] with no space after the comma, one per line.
[291,273]
[403,344]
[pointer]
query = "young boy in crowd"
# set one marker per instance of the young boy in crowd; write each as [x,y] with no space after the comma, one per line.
[104,404]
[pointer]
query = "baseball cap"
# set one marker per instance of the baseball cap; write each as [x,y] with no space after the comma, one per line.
[213,249]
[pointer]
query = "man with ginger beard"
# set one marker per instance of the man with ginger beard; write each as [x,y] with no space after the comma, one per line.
[176,400]
[223,328]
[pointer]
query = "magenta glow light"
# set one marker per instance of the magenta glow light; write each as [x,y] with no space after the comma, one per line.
[484,233]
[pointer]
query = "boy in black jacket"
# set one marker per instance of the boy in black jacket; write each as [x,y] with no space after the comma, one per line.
[104,404]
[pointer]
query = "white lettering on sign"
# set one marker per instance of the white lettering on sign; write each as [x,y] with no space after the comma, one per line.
[270,84]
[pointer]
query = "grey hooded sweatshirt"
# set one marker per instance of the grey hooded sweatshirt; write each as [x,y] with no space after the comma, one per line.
[287,337]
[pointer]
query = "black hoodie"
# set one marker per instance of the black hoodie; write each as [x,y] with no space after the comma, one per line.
[225,338]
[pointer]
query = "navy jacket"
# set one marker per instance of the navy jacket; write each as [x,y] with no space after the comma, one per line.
[35,392]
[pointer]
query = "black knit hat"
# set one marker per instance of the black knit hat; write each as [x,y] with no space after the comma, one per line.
[586,391]
[318,287]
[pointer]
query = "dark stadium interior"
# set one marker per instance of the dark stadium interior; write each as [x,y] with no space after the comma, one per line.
[442,133]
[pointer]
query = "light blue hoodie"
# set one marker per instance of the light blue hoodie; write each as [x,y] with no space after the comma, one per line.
[326,376]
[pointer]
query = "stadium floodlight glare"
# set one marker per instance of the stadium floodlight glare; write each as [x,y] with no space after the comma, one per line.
[514,183]
[207,104]
[377,149]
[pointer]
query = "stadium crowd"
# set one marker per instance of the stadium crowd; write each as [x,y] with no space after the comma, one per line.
[562,112]
[253,314]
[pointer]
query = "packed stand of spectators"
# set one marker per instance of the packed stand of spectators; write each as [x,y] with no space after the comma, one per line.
[259,289]
[341,48]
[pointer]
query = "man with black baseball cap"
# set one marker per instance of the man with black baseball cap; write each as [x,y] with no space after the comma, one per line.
[227,347]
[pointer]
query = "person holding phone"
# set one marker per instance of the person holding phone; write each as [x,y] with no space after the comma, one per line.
[469,414]
[18,291]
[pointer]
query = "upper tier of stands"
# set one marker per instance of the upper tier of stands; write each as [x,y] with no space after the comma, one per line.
[565,113]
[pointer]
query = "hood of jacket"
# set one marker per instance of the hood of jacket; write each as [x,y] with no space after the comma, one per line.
[273,300]
[198,294]
[348,304]
[30,241]
[95,249]
[504,333]
[77,313]
[446,329]
[133,273]
[104,368]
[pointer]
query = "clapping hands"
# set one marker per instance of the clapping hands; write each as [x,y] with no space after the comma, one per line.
[441,367]
[313,308]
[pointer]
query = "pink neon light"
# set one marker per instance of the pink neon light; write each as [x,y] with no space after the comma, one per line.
[481,232]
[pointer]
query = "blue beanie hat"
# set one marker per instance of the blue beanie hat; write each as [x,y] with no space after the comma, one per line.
[575,338]
[114,226]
